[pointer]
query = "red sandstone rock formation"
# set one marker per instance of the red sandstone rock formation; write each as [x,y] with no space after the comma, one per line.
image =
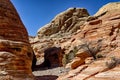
[67,21]
[15,50]
[71,32]
[107,29]
[59,30]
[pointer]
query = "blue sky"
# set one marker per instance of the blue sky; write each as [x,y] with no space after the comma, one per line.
[36,13]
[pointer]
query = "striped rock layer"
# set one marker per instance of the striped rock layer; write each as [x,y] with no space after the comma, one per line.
[15,50]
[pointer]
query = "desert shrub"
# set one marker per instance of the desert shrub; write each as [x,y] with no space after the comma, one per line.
[99,56]
[70,56]
[67,58]
[64,60]
[113,62]
[92,50]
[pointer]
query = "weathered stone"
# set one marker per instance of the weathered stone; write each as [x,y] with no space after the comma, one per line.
[79,59]
[76,62]
[107,29]
[68,29]
[108,7]
[89,60]
[59,30]
[67,21]
[15,51]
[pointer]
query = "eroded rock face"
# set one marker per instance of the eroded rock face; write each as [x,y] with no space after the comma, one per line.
[108,7]
[104,27]
[107,29]
[67,21]
[59,30]
[15,51]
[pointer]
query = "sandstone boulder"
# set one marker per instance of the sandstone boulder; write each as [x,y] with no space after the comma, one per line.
[15,51]
[79,59]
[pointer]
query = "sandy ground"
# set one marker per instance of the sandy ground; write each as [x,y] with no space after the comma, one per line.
[49,74]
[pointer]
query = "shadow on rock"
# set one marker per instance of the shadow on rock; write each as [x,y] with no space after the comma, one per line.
[46,77]
[52,58]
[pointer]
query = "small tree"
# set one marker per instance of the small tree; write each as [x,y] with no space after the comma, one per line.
[92,50]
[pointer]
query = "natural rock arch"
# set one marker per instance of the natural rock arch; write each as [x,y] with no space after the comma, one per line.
[53,57]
